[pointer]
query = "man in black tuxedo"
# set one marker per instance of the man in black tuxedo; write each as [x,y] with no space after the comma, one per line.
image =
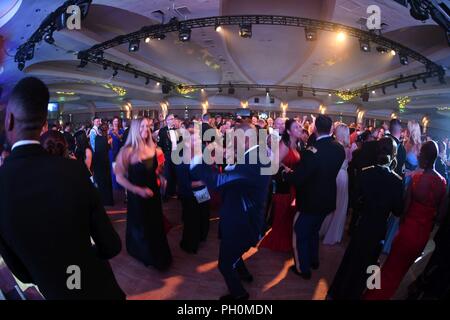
[49,210]
[244,193]
[315,181]
[395,130]
[167,141]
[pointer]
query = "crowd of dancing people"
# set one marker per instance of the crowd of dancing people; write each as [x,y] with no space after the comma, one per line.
[377,190]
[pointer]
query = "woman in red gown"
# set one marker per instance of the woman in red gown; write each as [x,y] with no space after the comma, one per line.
[279,238]
[425,197]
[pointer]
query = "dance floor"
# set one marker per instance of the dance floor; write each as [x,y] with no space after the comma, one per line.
[197,276]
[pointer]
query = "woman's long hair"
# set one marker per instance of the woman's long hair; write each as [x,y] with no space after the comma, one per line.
[81,144]
[134,139]
[342,134]
[285,137]
[415,134]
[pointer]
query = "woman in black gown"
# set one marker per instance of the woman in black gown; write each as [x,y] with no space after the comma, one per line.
[136,170]
[102,167]
[379,193]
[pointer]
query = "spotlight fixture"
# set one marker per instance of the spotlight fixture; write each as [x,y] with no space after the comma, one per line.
[314,93]
[83,63]
[159,36]
[220,90]
[267,91]
[373,91]
[256,100]
[393,53]
[383,89]
[403,59]
[272,100]
[395,85]
[147,81]
[245,30]
[133,46]
[105,66]
[49,38]
[329,94]
[218,28]
[135,75]
[364,45]
[381,49]
[310,34]
[115,72]
[230,90]
[424,80]
[184,34]
[21,65]
[414,84]
[300,93]
[147,40]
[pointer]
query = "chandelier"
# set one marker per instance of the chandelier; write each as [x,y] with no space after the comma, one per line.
[119,90]
[182,89]
[403,102]
[346,95]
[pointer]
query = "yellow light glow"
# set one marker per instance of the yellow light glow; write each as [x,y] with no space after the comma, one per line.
[341,36]
[393,115]
[322,109]
[164,108]
[284,106]
[205,106]
[360,116]
[244,104]
[66,93]
[393,53]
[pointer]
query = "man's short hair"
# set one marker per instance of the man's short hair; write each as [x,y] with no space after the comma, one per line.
[323,124]
[95,118]
[29,102]
[394,125]
[205,117]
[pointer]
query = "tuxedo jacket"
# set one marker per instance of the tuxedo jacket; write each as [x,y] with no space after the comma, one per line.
[49,210]
[244,194]
[164,141]
[315,177]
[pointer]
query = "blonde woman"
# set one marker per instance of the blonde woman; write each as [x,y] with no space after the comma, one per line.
[333,226]
[412,146]
[137,170]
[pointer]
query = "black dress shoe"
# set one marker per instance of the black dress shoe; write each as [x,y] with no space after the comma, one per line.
[315,266]
[304,275]
[230,297]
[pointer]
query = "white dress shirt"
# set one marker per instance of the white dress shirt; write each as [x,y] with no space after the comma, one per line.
[23,143]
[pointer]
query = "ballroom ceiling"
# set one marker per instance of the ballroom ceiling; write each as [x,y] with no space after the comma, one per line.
[274,55]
